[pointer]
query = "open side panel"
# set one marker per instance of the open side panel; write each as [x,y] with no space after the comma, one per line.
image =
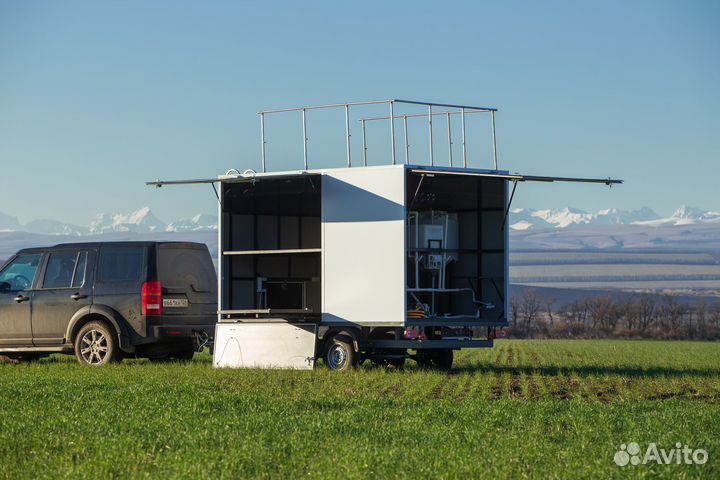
[363,246]
[457,249]
[271,248]
[265,345]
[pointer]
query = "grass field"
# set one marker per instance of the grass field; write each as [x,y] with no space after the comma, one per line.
[540,409]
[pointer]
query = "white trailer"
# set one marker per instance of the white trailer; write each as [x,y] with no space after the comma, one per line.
[378,263]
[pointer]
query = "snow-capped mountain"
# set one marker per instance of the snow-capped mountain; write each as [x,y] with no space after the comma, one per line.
[522,219]
[686,215]
[139,221]
[198,223]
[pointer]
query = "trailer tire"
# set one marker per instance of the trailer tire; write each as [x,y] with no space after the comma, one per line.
[441,359]
[339,353]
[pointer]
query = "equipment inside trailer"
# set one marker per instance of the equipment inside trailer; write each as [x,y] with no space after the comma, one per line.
[456,248]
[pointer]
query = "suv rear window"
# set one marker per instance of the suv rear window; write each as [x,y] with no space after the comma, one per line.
[121,264]
[186,265]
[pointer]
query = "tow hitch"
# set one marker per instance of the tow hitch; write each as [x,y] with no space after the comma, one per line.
[202,340]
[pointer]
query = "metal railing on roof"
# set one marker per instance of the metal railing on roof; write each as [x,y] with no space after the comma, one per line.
[449,111]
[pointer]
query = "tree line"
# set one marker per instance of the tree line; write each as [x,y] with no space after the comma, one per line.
[641,315]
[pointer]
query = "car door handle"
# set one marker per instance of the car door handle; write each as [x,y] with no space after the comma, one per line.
[77,296]
[21,298]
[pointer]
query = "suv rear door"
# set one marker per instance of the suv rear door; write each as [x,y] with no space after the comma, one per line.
[119,275]
[189,282]
[65,287]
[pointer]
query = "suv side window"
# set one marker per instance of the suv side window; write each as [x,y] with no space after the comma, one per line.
[60,269]
[20,273]
[121,264]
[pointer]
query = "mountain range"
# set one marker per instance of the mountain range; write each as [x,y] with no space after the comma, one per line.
[139,221]
[521,220]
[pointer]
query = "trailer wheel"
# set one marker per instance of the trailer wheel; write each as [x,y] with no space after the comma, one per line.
[339,353]
[441,359]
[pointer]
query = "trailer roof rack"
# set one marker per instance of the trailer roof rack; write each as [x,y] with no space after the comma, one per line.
[446,110]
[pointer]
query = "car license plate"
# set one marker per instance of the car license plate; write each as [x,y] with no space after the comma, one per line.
[175,302]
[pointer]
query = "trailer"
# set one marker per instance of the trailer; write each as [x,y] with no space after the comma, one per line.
[364,263]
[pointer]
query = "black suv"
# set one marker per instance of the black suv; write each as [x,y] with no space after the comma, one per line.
[103,301]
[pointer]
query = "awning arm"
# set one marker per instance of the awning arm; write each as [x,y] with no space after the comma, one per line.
[192,181]
[231,174]
[516,177]
[607,181]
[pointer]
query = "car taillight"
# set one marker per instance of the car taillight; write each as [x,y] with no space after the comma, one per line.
[152,298]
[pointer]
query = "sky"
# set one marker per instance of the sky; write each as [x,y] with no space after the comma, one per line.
[97,97]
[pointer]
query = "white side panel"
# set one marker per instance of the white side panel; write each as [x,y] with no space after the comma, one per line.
[264,345]
[363,246]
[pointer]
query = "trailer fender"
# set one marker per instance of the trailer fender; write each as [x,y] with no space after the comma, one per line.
[347,334]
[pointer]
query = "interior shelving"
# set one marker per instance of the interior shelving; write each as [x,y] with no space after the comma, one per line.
[271,250]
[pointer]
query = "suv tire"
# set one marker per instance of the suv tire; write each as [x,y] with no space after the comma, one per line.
[96,344]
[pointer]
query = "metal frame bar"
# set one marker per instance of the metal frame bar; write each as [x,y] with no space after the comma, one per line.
[449,140]
[364,144]
[347,133]
[462,115]
[392,130]
[492,120]
[262,139]
[407,144]
[412,115]
[333,105]
[305,138]
[430,115]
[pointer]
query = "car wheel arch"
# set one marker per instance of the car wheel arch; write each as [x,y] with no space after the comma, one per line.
[107,315]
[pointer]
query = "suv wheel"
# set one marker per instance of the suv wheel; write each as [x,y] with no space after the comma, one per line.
[96,344]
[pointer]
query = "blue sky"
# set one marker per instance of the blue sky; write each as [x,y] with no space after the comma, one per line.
[97,97]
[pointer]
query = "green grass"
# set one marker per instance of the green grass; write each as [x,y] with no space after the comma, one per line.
[540,409]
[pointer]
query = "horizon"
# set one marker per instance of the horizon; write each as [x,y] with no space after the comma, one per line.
[147,210]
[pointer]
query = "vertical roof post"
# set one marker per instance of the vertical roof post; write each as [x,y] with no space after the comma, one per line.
[364,142]
[449,139]
[492,119]
[347,133]
[430,126]
[392,129]
[305,138]
[407,144]
[462,115]
[262,139]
